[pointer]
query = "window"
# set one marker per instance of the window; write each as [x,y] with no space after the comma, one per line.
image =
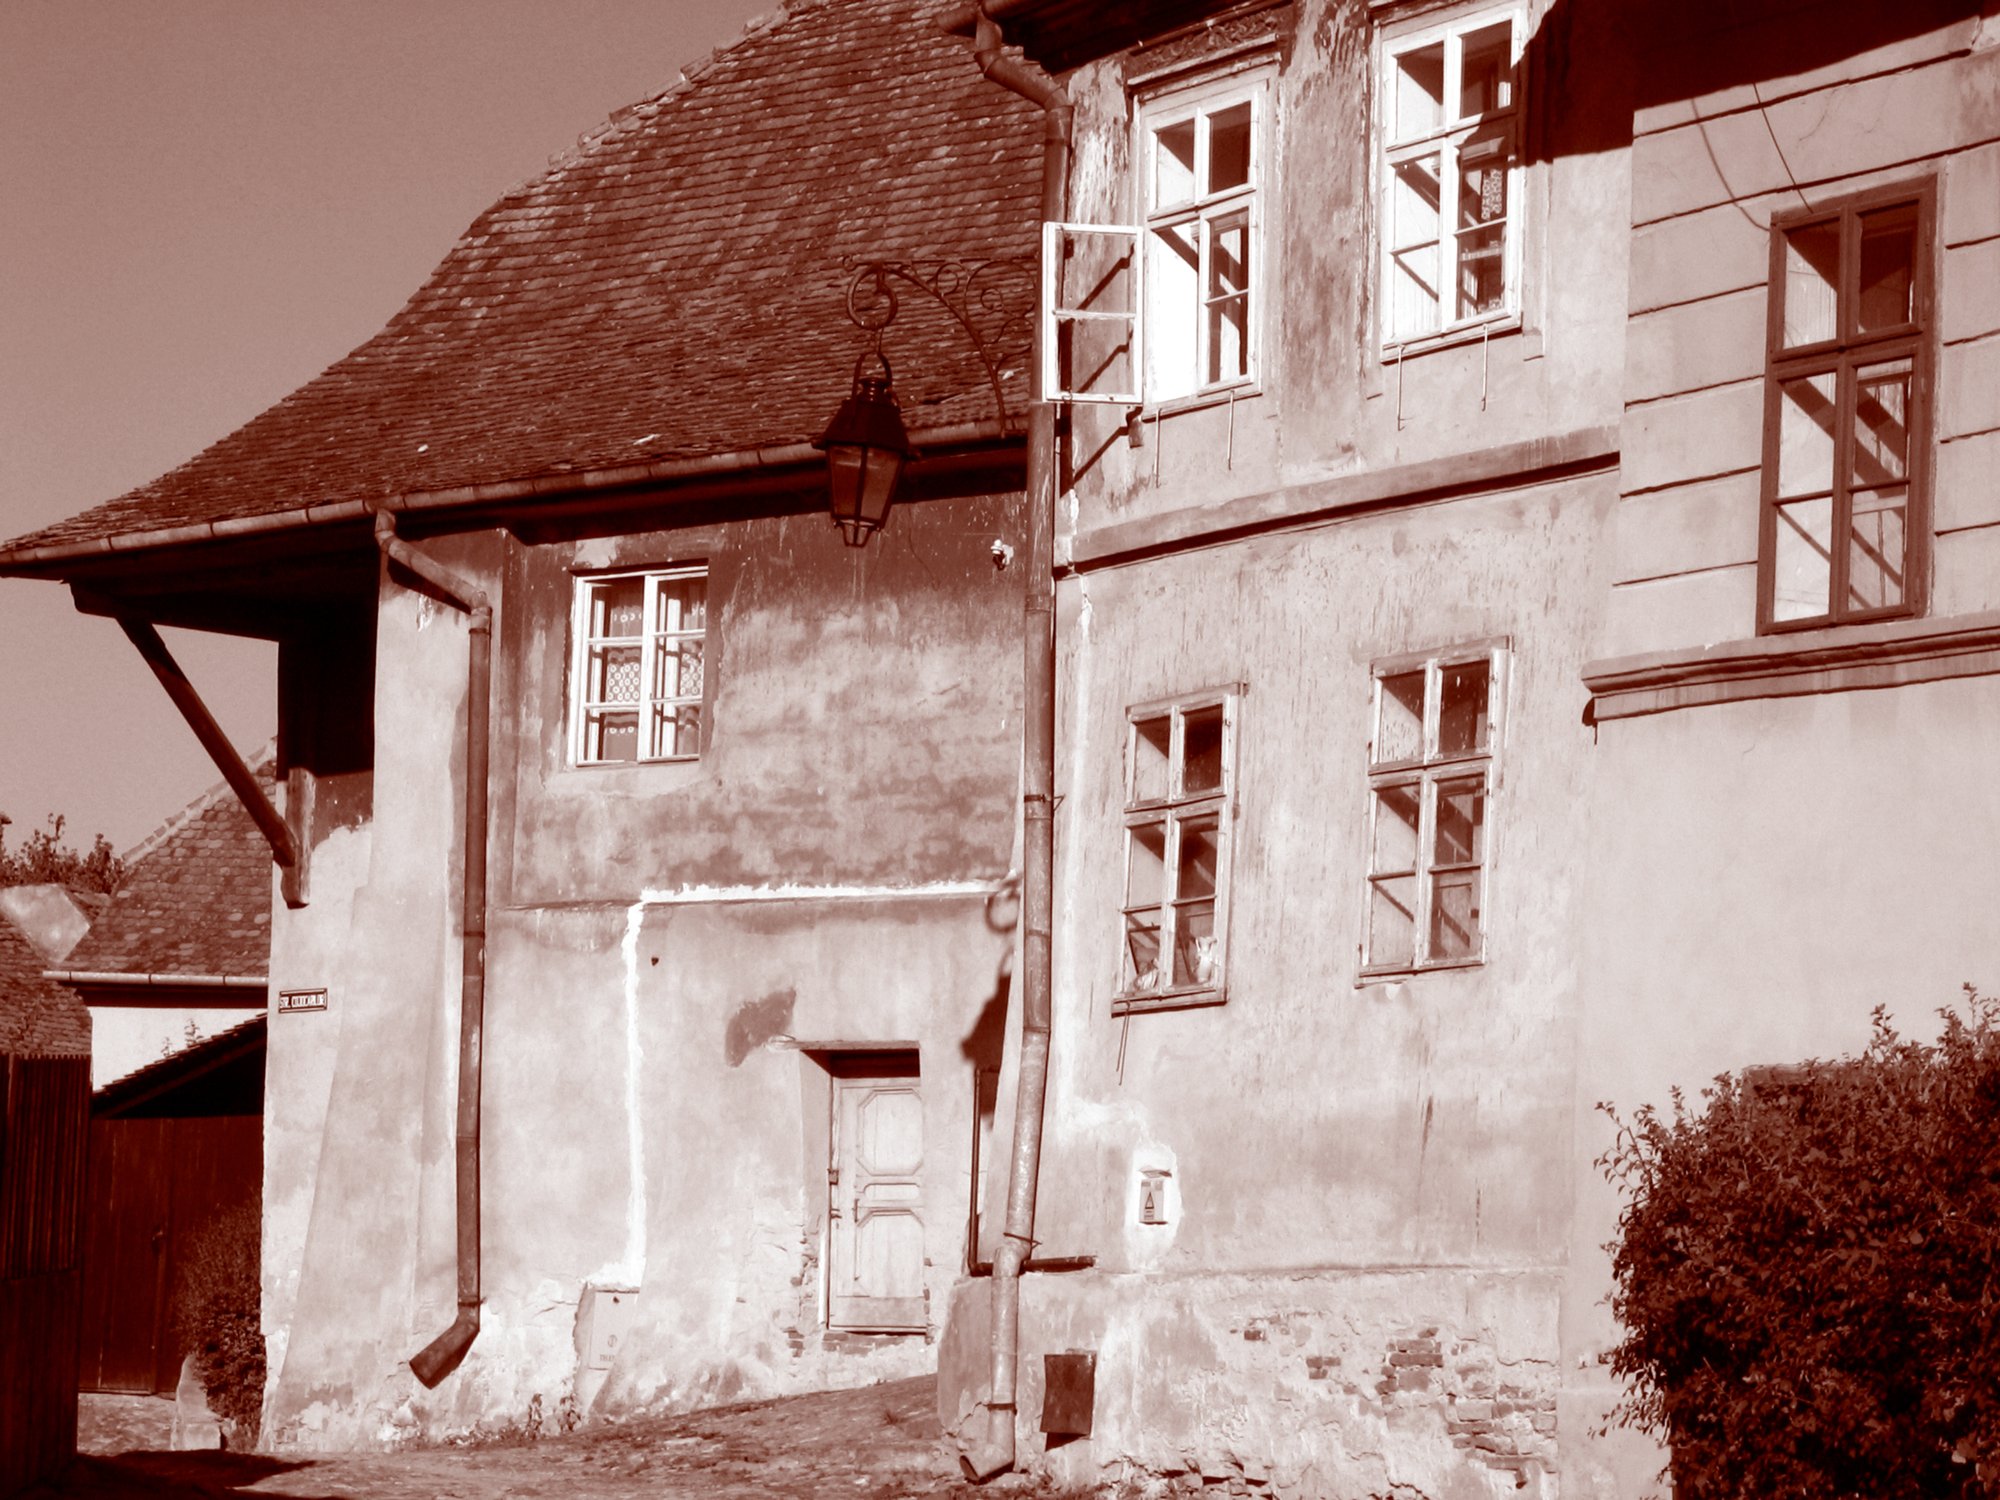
[1201,159]
[1450,114]
[1430,785]
[1844,528]
[636,677]
[1180,769]
[1170,307]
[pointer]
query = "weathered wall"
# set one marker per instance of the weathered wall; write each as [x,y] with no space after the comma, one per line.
[1359,1285]
[1361,1173]
[1328,403]
[669,950]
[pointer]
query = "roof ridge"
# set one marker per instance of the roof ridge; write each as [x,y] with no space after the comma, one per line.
[691,73]
[265,756]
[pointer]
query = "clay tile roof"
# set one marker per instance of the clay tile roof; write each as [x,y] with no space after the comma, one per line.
[36,1014]
[671,289]
[196,899]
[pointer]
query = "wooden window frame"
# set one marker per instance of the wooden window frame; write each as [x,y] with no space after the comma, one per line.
[1173,809]
[1198,103]
[1447,140]
[1842,356]
[581,708]
[1426,770]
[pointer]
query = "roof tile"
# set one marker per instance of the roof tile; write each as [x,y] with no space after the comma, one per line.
[196,900]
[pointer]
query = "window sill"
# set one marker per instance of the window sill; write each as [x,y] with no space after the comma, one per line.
[1894,653]
[1452,338]
[1184,998]
[1369,977]
[1216,395]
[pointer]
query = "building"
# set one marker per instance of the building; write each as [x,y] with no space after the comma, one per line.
[179,952]
[37,1015]
[1466,714]
[709,902]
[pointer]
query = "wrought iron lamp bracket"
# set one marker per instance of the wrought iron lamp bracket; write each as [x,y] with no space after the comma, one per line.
[990,300]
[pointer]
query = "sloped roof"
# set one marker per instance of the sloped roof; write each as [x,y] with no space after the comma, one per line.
[196,899]
[672,289]
[36,1015]
[190,1072]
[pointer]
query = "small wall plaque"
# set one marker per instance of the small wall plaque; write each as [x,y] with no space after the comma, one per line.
[291,1000]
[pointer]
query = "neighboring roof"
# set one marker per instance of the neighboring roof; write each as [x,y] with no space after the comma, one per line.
[196,900]
[221,1074]
[36,1015]
[673,289]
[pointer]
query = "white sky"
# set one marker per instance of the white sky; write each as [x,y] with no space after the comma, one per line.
[203,203]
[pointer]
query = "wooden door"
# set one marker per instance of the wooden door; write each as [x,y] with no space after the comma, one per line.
[875,1263]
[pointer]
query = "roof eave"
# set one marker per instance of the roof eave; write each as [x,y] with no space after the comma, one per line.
[58,560]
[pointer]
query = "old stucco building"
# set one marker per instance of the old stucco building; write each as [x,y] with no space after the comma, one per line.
[1526,636]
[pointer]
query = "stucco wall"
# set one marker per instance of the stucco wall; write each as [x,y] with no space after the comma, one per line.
[1708,172]
[1770,872]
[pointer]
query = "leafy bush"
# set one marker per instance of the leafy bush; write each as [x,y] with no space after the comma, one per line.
[43,860]
[216,1316]
[1806,1272]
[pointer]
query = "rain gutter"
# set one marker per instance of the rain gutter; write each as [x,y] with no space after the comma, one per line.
[443,1354]
[159,981]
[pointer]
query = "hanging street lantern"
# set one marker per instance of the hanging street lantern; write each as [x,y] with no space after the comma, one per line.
[866,448]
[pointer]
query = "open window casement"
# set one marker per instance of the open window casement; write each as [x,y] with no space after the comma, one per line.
[1169,308]
[1091,296]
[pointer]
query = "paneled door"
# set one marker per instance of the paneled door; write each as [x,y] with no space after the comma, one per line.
[875,1196]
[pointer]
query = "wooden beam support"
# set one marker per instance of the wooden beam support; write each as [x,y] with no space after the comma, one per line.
[270,822]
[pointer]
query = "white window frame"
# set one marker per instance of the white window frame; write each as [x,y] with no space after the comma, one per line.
[1424,771]
[1448,140]
[647,706]
[1142,246]
[1156,989]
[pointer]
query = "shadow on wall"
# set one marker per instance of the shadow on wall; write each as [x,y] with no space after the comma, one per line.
[1689,49]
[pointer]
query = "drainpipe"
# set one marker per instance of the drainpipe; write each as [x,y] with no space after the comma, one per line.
[442,1355]
[992,1452]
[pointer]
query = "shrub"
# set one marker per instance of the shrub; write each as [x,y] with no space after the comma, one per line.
[216,1316]
[1806,1272]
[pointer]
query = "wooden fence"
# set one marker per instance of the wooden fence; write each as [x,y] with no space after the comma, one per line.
[44,1124]
[155,1187]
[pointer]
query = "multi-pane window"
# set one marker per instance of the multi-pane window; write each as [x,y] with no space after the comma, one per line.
[1180,771]
[636,676]
[1430,785]
[1450,131]
[1844,533]
[1170,307]
[1202,155]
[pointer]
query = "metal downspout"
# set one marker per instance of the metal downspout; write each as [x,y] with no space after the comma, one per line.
[985,1455]
[442,1354]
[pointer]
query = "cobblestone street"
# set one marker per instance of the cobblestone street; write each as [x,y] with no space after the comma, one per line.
[877,1441]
